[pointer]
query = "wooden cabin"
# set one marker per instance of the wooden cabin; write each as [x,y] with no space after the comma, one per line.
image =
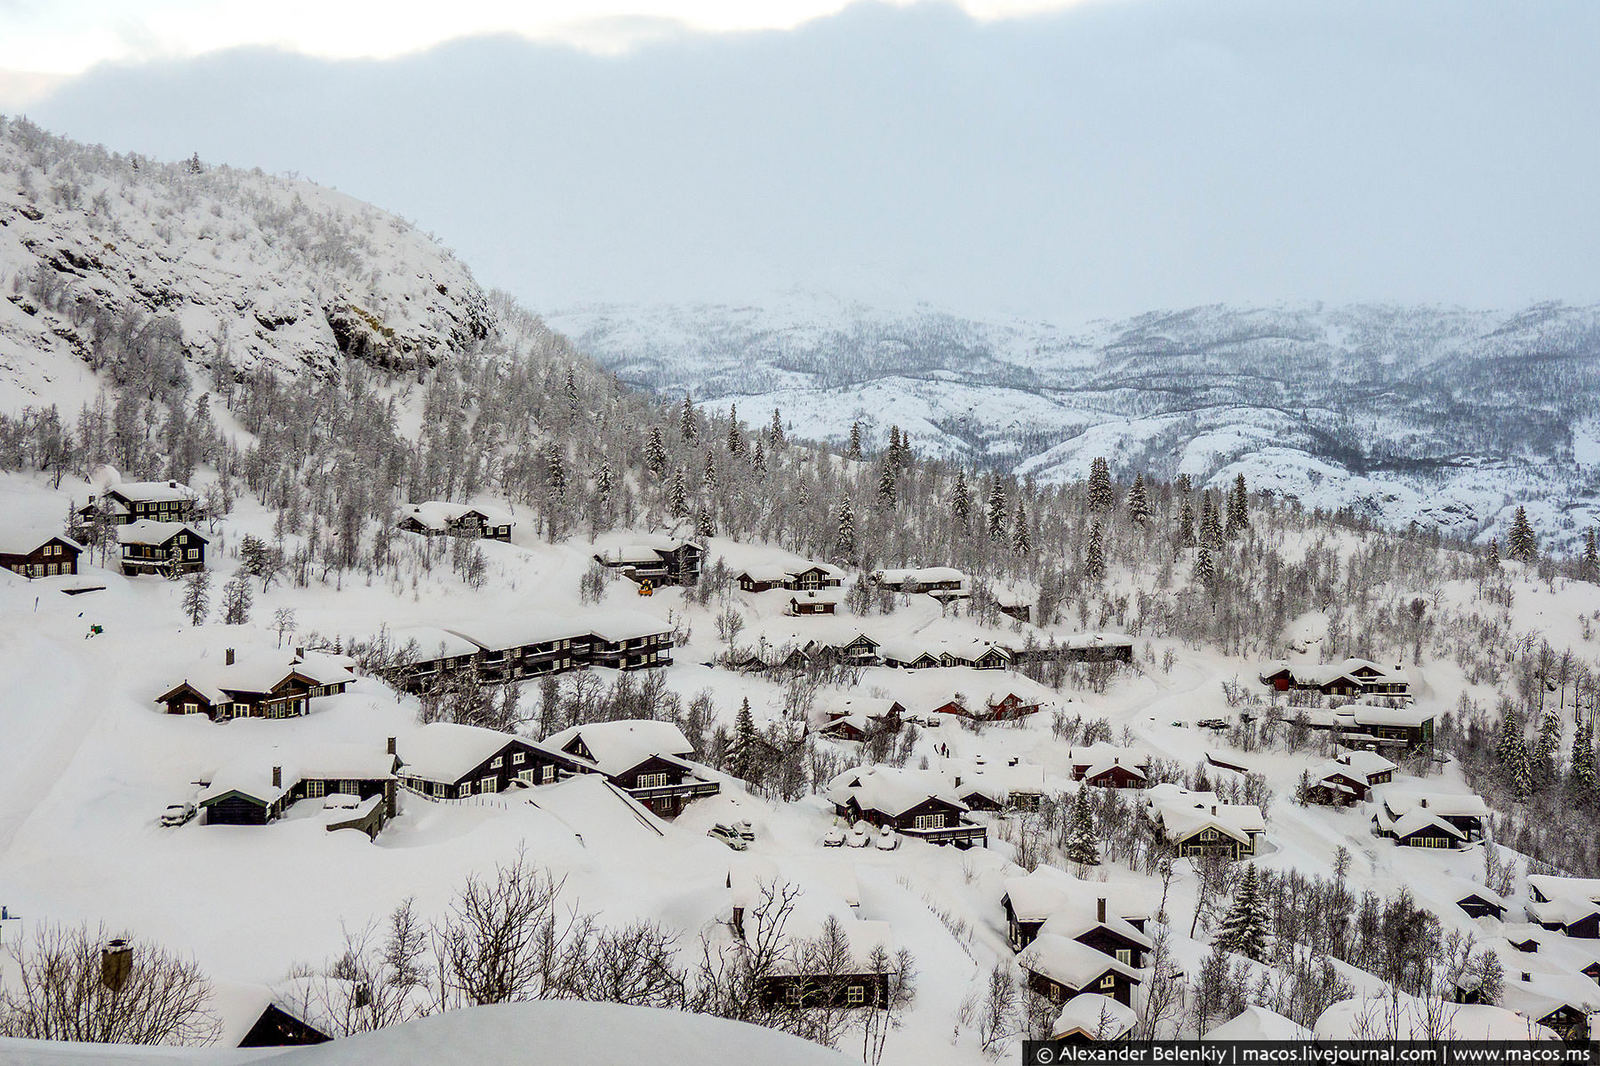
[166,548]
[917,804]
[256,793]
[1059,968]
[660,561]
[648,759]
[813,602]
[257,684]
[49,558]
[446,760]
[436,518]
[141,501]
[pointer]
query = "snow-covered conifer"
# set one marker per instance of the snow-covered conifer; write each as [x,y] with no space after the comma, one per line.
[1247,924]
[1522,543]
[1101,496]
[1082,844]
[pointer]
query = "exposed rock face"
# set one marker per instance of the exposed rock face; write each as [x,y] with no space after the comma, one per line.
[269,272]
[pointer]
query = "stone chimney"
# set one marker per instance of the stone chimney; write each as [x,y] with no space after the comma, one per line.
[390,746]
[227,657]
[1100,910]
[299,653]
[277,777]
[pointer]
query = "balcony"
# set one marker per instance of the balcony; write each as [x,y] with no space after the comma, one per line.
[688,789]
[963,834]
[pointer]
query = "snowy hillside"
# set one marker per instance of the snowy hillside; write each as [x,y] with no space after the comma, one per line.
[212,264]
[1403,414]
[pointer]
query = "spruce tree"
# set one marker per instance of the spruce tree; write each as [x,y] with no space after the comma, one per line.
[758,460]
[708,477]
[1523,544]
[844,545]
[555,470]
[1186,526]
[1210,523]
[997,512]
[1491,562]
[1101,496]
[603,479]
[1021,543]
[1583,756]
[855,442]
[744,747]
[680,496]
[1545,747]
[1521,769]
[1094,556]
[775,434]
[1138,502]
[1505,748]
[705,525]
[1205,571]
[655,454]
[886,489]
[1590,569]
[1247,924]
[735,437]
[686,426]
[1082,845]
[893,456]
[961,500]
[1238,508]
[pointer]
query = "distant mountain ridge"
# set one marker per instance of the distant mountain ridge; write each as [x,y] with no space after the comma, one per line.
[1442,417]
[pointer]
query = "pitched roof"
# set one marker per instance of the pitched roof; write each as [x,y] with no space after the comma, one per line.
[432,642]
[890,790]
[147,531]
[152,491]
[1037,895]
[444,751]
[1258,1023]
[616,747]
[1097,1016]
[1069,962]
[257,671]
[439,515]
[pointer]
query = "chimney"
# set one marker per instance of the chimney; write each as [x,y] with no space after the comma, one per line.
[277,777]
[227,657]
[1213,808]
[1526,976]
[116,961]
[299,653]
[1100,910]
[1424,801]
[390,746]
[172,484]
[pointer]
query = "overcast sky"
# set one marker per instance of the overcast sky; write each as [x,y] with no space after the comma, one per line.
[1060,159]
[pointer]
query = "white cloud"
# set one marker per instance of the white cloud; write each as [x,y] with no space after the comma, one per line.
[69,36]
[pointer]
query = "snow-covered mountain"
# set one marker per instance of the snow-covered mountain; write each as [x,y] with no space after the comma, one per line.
[205,262]
[1446,418]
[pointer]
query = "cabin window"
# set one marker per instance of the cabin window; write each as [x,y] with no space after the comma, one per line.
[651,780]
[1125,956]
[194,553]
[315,789]
[930,821]
[1108,981]
[487,784]
[498,762]
[855,995]
[352,788]
[438,790]
[517,758]
[547,774]
[792,993]
[464,791]
[191,708]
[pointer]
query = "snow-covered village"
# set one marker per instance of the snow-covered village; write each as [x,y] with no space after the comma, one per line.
[386,677]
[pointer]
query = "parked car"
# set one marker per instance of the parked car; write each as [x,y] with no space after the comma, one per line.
[728,835]
[887,839]
[745,829]
[860,835]
[177,814]
[833,838]
[340,801]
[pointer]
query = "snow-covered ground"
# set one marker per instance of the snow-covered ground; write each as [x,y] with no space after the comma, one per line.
[88,763]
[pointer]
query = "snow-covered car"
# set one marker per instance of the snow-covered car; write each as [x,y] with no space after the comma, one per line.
[833,838]
[745,829]
[728,835]
[860,836]
[887,839]
[1212,723]
[177,814]
[340,801]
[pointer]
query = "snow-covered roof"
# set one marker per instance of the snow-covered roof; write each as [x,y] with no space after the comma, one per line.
[1326,673]
[147,531]
[1552,887]
[256,671]
[1037,895]
[1380,1018]
[443,751]
[1068,961]
[1535,995]
[617,747]
[1086,641]
[152,491]
[1107,753]
[1364,714]
[1096,1016]
[1078,915]
[922,575]
[433,642]
[906,650]
[890,790]
[619,625]
[251,775]
[1258,1023]
[833,596]
[1367,763]
[439,515]
[1440,804]
[1183,813]
[995,778]
[501,632]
